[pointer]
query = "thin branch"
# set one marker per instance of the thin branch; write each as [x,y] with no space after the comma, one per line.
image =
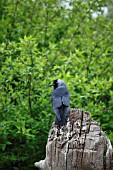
[104,70]
[29,94]
[8,35]
[46,26]
[89,63]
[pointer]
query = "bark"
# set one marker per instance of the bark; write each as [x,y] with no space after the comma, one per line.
[79,145]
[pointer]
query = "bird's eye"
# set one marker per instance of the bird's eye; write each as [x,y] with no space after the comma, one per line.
[55,81]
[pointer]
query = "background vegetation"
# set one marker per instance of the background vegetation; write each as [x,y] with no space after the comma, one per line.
[41,41]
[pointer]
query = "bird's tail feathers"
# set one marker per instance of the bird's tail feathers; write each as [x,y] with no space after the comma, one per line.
[61,116]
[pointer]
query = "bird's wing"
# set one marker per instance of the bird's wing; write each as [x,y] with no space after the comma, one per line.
[56,102]
[60,96]
[66,99]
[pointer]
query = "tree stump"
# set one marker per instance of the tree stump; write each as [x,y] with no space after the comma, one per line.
[79,145]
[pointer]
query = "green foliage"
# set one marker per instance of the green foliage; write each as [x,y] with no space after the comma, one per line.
[41,41]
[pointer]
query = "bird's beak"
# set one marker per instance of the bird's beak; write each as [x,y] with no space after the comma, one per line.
[52,84]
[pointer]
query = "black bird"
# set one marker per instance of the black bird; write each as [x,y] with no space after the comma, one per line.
[60,101]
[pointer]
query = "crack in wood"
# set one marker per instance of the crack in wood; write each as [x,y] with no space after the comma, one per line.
[81,122]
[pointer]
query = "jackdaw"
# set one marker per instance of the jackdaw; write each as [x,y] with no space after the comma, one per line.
[60,101]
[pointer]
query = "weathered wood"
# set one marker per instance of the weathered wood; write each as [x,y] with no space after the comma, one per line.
[79,145]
